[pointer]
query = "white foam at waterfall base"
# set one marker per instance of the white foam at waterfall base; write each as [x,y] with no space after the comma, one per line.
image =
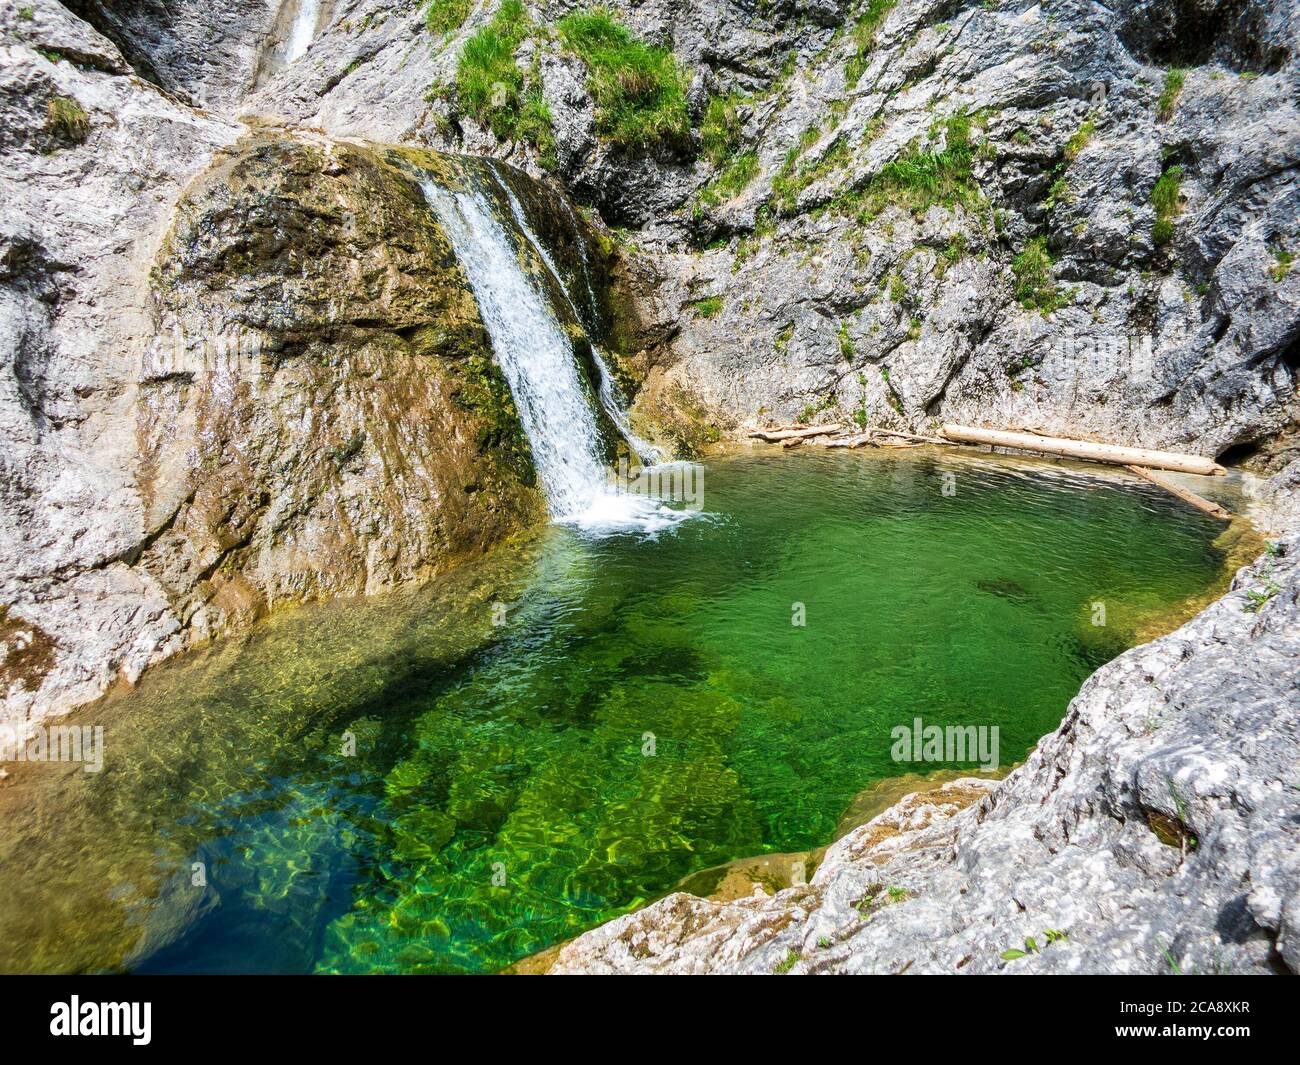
[536,357]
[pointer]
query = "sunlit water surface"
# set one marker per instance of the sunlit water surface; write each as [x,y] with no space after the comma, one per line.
[502,797]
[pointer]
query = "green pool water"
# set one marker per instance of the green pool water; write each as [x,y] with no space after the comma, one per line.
[646,710]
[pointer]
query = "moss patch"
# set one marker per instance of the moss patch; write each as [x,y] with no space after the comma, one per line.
[67,120]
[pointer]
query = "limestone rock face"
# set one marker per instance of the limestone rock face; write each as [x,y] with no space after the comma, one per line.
[1032,281]
[208,54]
[240,367]
[92,161]
[1158,828]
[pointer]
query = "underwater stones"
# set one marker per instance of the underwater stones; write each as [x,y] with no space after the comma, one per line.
[419,835]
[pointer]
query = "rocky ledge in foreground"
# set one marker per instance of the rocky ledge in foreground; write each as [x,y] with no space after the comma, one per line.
[1158,828]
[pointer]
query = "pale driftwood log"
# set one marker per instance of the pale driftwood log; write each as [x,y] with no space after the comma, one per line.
[1185,494]
[775,436]
[1083,449]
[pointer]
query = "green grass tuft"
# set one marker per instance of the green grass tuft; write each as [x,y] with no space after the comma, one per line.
[708,307]
[1079,140]
[732,180]
[863,35]
[1166,198]
[493,90]
[488,81]
[1174,79]
[922,177]
[1035,286]
[445,16]
[639,91]
[720,130]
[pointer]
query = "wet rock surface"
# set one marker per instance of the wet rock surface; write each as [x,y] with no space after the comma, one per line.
[320,413]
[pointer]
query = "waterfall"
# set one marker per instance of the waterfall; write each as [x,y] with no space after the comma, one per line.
[303,30]
[608,389]
[536,357]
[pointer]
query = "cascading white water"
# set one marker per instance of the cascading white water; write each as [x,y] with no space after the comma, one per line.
[608,391]
[536,357]
[303,30]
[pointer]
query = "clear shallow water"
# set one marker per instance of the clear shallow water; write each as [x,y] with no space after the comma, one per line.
[517,751]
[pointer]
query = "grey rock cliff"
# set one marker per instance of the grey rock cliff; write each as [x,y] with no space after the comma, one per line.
[1017,214]
[1036,287]
[206,54]
[85,199]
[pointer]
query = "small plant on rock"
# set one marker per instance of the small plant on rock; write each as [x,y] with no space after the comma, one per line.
[67,119]
[709,306]
[1174,79]
[1166,198]
[1079,140]
[1257,597]
[1283,261]
[1035,286]
[1051,935]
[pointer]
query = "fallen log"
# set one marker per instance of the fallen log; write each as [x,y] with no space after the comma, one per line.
[794,441]
[777,435]
[1185,494]
[1084,449]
